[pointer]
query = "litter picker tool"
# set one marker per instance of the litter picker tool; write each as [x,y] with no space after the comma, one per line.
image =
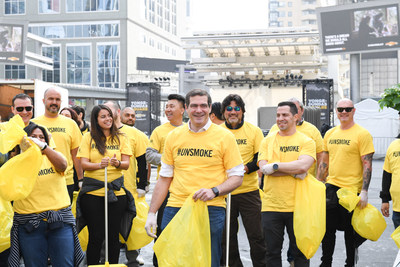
[228,227]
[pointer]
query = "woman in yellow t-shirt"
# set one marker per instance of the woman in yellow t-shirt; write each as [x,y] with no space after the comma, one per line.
[104,146]
[44,226]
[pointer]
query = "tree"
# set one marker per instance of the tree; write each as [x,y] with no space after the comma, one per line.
[391,98]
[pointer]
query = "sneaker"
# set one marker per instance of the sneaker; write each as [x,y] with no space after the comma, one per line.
[140,260]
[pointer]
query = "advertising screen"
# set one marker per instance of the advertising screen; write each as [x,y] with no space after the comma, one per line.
[361,27]
[12,41]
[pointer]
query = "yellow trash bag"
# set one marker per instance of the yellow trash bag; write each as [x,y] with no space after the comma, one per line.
[186,240]
[19,174]
[396,236]
[138,237]
[11,134]
[368,222]
[6,221]
[309,216]
[83,235]
[348,198]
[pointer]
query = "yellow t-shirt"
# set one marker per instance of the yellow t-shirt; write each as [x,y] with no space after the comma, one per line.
[158,136]
[49,192]
[279,192]
[138,148]
[392,165]
[200,160]
[311,131]
[67,136]
[248,138]
[88,150]
[345,148]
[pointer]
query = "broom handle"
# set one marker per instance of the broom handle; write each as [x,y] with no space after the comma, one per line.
[106,213]
[228,227]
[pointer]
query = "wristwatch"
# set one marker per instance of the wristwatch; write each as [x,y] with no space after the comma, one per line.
[275,167]
[216,191]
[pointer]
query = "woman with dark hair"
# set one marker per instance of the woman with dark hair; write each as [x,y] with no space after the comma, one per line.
[70,113]
[44,226]
[104,146]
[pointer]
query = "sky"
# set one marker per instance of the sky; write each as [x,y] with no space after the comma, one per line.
[217,15]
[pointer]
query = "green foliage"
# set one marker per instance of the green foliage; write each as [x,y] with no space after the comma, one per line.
[391,98]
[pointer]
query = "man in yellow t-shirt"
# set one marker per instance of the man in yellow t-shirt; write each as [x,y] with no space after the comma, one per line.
[284,156]
[346,163]
[308,129]
[245,199]
[391,182]
[174,110]
[65,132]
[200,158]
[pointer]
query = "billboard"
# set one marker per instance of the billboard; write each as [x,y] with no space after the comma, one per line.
[318,94]
[12,41]
[361,27]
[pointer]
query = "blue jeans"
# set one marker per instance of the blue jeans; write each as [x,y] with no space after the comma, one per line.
[217,224]
[396,219]
[39,244]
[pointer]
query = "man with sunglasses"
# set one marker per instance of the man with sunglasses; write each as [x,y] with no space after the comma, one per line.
[245,199]
[346,163]
[65,132]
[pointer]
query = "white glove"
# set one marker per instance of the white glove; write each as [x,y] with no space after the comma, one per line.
[140,192]
[268,169]
[151,225]
[363,199]
[80,182]
[147,188]
[40,144]
[24,145]
[300,176]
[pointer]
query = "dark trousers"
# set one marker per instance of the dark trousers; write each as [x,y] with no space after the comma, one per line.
[338,218]
[274,224]
[160,214]
[93,211]
[248,205]
[4,258]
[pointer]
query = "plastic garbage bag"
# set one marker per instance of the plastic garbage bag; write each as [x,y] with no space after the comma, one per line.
[368,222]
[83,235]
[309,217]
[186,240]
[11,134]
[138,237]
[6,221]
[18,175]
[396,236]
[348,198]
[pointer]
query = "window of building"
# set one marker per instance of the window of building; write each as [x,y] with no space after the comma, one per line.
[49,6]
[54,53]
[289,4]
[289,14]
[108,65]
[159,46]
[308,12]
[92,5]
[309,2]
[281,4]
[13,7]
[273,15]
[290,24]
[76,30]
[78,64]
[280,23]
[281,14]
[14,72]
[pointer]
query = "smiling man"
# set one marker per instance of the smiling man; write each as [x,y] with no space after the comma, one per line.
[200,158]
[346,163]
[65,132]
[284,156]
[246,198]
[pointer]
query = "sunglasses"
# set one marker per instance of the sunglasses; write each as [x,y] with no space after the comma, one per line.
[27,108]
[230,108]
[349,109]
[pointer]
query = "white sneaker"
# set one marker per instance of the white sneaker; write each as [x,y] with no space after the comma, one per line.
[140,260]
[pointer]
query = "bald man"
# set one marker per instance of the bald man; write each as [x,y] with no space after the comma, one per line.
[128,116]
[65,132]
[346,163]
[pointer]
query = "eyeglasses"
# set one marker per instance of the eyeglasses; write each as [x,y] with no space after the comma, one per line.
[27,108]
[230,108]
[349,109]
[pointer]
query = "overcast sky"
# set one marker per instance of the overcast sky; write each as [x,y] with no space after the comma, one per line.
[229,14]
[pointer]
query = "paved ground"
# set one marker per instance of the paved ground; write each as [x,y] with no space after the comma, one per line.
[380,254]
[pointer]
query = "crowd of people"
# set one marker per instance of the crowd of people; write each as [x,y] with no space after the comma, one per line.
[215,153]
